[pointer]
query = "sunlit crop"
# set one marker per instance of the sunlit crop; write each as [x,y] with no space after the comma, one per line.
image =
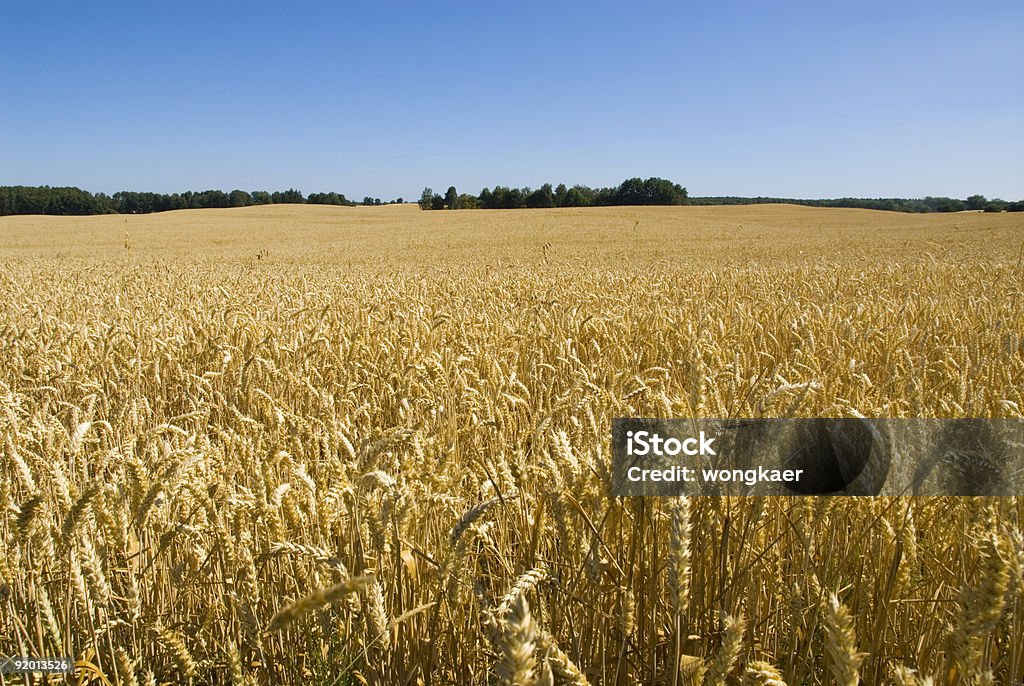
[371,445]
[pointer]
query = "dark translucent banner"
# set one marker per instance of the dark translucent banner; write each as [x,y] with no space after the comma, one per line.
[818,457]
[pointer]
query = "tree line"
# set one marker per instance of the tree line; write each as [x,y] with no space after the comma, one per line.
[655,191]
[74,201]
[652,191]
[927,204]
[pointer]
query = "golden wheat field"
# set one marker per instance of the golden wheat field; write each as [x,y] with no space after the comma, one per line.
[321,445]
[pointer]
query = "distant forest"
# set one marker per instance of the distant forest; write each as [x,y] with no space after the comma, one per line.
[655,191]
[928,204]
[75,201]
[652,191]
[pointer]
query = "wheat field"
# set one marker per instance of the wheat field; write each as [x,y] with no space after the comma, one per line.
[327,445]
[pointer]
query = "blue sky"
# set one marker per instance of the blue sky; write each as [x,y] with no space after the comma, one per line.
[793,99]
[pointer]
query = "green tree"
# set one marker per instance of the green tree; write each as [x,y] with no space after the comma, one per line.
[574,198]
[946,204]
[289,196]
[330,198]
[652,191]
[542,197]
[560,193]
[451,198]
[426,198]
[504,198]
[486,199]
[237,198]
[215,198]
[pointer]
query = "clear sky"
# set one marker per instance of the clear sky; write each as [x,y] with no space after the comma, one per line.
[793,99]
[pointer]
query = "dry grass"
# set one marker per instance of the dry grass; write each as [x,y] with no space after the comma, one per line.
[379,450]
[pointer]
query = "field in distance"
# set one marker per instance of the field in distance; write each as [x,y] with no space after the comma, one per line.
[403,235]
[317,445]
